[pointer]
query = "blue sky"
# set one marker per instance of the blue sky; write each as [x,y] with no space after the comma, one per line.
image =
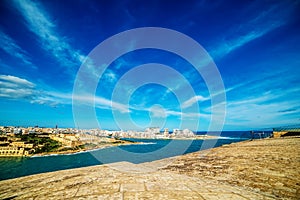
[254,44]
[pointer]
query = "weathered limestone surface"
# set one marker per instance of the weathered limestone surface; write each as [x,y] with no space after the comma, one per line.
[263,169]
[269,166]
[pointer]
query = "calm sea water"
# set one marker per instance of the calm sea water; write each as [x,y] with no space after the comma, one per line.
[152,149]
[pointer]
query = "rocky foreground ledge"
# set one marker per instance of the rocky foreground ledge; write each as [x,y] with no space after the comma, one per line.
[270,167]
[260,169]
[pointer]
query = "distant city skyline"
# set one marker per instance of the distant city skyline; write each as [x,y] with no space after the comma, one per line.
[255,46]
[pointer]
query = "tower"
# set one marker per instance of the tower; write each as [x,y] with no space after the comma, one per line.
[166,132]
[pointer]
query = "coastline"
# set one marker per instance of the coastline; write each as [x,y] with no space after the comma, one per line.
[259,169]
[124,142]
[70,152]
[196,137]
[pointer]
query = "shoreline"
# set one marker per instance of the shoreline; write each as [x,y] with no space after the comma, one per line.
[138,143]
[197,137]
[71,152]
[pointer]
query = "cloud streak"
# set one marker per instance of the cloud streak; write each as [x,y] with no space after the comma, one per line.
[265,109]
[39,22]
[11,47]
[252,30]
[14,87]
[193,100]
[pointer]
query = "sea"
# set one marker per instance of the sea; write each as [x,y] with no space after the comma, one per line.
[146,151]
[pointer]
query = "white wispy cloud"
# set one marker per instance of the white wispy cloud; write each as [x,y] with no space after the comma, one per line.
[88,100]
[238,36]
[120,63]
[193,115]
[159,111]
[17,81]
[102,103]
[265,109]
[199,98]
[255,113]
[110,76]
[39,22]
[193,100]
[14,87]
[11,47]
[247,89]
[251,30]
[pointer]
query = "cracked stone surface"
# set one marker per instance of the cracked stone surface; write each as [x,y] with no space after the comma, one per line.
[261,169]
